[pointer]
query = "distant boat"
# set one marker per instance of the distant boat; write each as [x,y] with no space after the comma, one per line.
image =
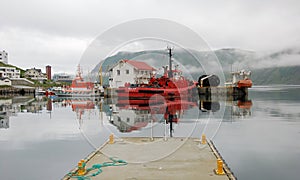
[78,88]
[240,79]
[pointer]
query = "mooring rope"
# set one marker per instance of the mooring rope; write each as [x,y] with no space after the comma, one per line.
[98,167]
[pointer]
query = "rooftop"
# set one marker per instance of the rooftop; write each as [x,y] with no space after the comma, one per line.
[139,65]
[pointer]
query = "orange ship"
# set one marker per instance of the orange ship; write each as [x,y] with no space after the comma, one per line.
[244,83]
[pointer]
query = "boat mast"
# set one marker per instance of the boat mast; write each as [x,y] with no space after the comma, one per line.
[170,74]
[78,70]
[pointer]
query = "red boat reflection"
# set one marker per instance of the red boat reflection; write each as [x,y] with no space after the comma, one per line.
[143,111]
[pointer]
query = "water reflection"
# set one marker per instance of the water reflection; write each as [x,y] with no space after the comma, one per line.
[129,116]
[136,115]
[10,106]
[235,108]
[78,105]
[254,133]
[241,108]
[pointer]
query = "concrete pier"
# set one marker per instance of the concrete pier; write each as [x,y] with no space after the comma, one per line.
[158,158]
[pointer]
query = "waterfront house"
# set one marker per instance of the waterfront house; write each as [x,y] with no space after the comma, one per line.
[35,74]
[129,71]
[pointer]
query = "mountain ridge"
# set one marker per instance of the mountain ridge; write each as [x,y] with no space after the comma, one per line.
[279,67]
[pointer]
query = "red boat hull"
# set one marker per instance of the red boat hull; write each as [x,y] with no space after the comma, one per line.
[146,93]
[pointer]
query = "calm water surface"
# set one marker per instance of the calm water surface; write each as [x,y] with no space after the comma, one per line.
[259,138]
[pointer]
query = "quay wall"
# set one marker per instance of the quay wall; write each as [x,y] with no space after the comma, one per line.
[223,91]
[7,91]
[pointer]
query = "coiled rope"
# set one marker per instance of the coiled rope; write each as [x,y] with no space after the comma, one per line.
[98,167]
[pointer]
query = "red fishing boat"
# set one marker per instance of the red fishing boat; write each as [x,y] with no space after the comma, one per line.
[171,85]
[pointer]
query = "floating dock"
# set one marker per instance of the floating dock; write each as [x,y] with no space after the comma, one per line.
[157,158]
[223,91]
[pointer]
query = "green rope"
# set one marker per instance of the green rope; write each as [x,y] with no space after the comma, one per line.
[113,162]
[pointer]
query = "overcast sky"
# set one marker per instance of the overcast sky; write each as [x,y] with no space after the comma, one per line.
[36,33]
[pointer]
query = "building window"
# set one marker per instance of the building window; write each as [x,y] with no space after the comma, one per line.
[118,72]
[128,119]
[127,71]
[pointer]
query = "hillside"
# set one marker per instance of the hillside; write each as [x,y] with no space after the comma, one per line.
[277,75]
[279,67]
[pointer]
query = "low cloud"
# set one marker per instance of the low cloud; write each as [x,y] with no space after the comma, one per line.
[284,58]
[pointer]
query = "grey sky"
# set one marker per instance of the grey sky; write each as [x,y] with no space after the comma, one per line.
[57,32]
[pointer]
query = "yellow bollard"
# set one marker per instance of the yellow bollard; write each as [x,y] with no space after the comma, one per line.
[81,168]
[219,170]
[203,139]
[111,139]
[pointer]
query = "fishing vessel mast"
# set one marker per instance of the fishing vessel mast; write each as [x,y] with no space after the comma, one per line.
[170,74]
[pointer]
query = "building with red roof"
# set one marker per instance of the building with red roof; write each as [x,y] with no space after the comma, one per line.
[130,71]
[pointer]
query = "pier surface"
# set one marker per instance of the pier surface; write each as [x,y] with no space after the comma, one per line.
[158,158]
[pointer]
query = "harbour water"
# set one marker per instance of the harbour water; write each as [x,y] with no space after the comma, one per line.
[45,138]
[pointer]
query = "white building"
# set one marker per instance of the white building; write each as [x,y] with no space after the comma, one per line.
[3,57]
[35,74]
[129,71]
[9,72]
